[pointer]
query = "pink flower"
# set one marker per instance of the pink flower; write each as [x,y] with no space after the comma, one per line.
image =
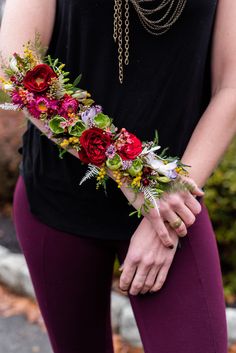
[17,99]
[68,106]
[39,106]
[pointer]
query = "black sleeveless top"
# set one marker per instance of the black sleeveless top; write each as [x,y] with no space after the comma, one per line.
[166,87]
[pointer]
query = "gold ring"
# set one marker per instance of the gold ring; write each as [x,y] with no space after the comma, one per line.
[176,224]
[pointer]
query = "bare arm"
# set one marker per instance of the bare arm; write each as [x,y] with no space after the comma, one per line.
[20,21]
[217,126]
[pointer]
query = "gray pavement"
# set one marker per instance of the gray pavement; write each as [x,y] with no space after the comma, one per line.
[17,335]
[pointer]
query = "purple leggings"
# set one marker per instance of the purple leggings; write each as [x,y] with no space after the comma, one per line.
[72,279]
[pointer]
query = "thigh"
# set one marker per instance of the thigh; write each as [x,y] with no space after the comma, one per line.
[72,280]
[188,314]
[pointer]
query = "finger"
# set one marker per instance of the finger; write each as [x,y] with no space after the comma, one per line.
[186,215]
[194,205]
[127,275]
[139,279]
[178,206]
[195,190]
[160,279]
[181,230]
[161,230]
[150,279]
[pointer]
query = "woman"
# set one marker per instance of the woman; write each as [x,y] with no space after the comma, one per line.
[182,83]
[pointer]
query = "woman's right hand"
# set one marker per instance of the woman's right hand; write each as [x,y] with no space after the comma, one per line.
[177,208]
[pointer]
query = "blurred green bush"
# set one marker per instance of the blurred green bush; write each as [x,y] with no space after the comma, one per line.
[220,199]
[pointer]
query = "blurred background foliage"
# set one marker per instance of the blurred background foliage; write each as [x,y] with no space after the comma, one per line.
[221,202]
[220,196]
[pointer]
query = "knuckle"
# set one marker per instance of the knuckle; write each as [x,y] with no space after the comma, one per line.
[124,282]
[164,207]
[137,286]
[198,208]
[174,200]
[159,284]
[182,229]
[159,263]
[190,220]
[163,234]
[153,214]
[148,261]
[134,258]
[168,263]
[148,284]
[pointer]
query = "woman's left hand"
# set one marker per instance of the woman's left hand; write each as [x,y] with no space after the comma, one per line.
[147,262]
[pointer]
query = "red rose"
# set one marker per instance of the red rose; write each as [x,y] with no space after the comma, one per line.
[131,149]
[38,79]
[94,143]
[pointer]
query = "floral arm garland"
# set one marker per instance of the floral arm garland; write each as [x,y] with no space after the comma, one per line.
[76,124]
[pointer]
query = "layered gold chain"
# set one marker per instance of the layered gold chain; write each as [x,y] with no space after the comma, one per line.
[171,11]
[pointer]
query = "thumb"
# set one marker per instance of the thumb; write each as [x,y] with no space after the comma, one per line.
[197,191]
[194,188]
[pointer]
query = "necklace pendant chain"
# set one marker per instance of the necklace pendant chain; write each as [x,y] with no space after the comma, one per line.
[170,10]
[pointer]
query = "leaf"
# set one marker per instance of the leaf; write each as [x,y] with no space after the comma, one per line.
[88,101]
[77,80]
[156,139]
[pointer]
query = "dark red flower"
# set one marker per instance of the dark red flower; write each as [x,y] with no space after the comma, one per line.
[94,143]
[131,148]
[37,80]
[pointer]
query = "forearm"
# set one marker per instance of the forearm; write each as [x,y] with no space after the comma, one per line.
[21,19]
[212,136]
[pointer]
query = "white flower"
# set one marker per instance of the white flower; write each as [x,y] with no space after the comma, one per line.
[147,150]
[13,65]
[8,87]
[158,165]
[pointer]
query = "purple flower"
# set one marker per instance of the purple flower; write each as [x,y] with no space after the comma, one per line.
[90,113]
[111,151]
[126,164]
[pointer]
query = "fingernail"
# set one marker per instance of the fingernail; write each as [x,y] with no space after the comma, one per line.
[121,268]
[171,246]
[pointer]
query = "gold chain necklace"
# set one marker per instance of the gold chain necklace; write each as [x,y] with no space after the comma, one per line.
[172,11]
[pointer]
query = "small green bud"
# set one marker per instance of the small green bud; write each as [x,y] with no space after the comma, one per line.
[77,129]
[163,179]
[54,124]
[102,121]
[136,167]
[114,163]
